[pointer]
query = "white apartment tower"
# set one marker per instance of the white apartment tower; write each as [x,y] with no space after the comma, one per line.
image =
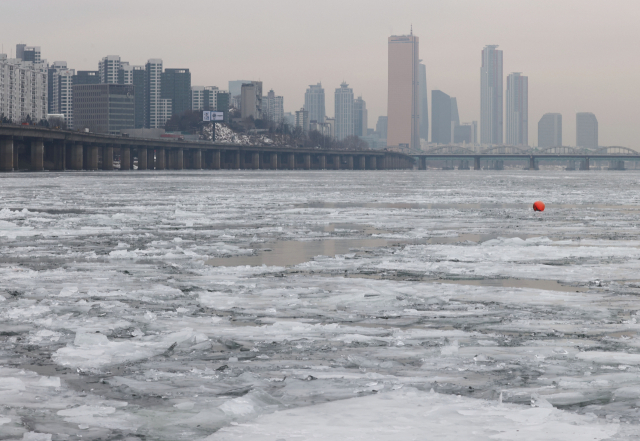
[62,101]
[314,103]
[344,126]
[155,117]
[491,123]
[517,109]
[273,107]
[108,68]
[23,89]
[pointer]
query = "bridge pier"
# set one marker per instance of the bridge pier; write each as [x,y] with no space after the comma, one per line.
[307,161]
[323,162]
[178,156]
[273,157]
[107,157]
[92,157]
[215,160]
[197,159]
[336,162]
[373,163]
[59,154]
[255,160]
[6,154]
[236,160]
[37,154]
[476,163]
[142,158]
[151,159]
[291,161]
[125,158]
[350,162]
[161,159]
[76,156]
[362,162]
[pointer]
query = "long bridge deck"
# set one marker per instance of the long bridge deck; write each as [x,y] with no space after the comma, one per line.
[37,148]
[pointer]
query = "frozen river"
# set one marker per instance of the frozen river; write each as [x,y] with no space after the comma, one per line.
[319,305]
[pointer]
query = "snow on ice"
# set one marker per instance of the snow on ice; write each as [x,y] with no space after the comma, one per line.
[148,306]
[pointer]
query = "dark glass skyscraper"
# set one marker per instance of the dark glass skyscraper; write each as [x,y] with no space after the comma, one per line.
[491,115]
[176,86]
[550,130]
[440,117]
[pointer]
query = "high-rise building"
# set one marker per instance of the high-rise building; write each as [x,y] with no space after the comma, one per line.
[28,53]
[302,119]
[440,117]
[586,130]
[165,111]
[62,101]
[109,68]
[314,103]
[455,117]
[344,112]
[550,130]
[424,104]
[222,102]
[104,108]
[55,67]
[86,77]
[273,107]
[465,133]
[202,97]
[137,77]
[491,122]
[154,119]
[360,117]
[23,89]
[517,109]
[176,86]
[235,90]
[381,127]
[403,103]
[251,100]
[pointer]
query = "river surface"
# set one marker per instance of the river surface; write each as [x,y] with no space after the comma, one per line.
[316,305]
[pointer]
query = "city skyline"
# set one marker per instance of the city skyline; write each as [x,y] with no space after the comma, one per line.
[564,78]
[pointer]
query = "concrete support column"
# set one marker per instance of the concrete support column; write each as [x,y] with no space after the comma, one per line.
[236,160]
[6,154]
[92,157]
[151,159]
[107,157]
[586,163]
[142,158]
[373,163]
[125,158]
[59,162]
[274,161]
[336,162]
[196,158]
[350,162]
[476,163]
[161,159]
[255,160]
[179,159]
[216,160]
[362,162]
[261,161]
[77,156]
[292,161]
[16,154]
[422,163]
[37,155]
[307,161]
[323,162]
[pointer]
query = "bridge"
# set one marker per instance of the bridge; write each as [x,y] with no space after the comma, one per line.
[501,152]
[37,148]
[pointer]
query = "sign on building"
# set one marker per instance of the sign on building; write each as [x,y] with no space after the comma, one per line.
[212,116]
[206,115]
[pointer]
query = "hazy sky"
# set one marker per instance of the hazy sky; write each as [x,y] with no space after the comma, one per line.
[579,55]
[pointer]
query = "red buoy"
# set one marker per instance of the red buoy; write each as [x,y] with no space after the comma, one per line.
[538,206]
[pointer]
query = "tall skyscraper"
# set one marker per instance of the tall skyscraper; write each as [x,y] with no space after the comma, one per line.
[491,125]
[109,68]
[55,67]
[455,117]
[314,103]
[136,76]
[86,77]
[550,130]
[302,119]
[403,103]
[344,112]
[381,127]
[251,100]
[23,89]
[62,101]
[154,118]
[517,109]
[28,53]
[235,90]
[586,130]
[273,107]
[424,104]
[360,117]
[440,117]
[176,86]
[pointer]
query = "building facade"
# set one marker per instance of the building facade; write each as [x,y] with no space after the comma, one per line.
[586,130]
[381,127]
[28,53]
[154,119]
[302,119]
[104,108]
[360,117]
[550,130]
[23,89]
[176,86]
[273,107]
[424,104]
[517,109]
[86,77]
[109,68]
[314,103]
[344,112]
[491,110]
[440,117]
[62,100]
[251,100]
[55,67]
[403,103]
